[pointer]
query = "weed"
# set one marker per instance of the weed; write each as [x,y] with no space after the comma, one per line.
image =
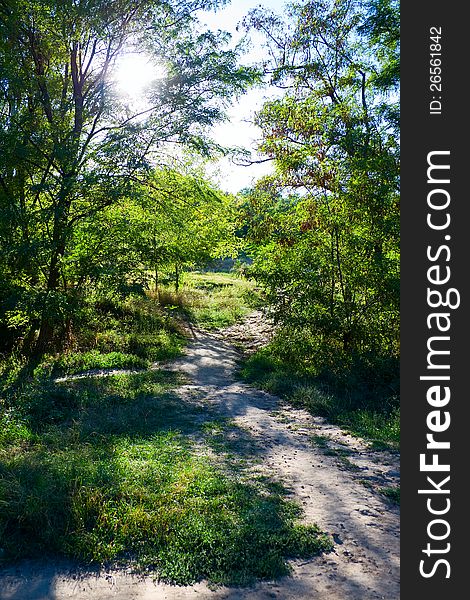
[341,454]
[214,300]
[320,440]
[107,469]
[77,362]
[392,493]
[347,464]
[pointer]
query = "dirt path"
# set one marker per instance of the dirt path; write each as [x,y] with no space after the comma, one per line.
[335,479]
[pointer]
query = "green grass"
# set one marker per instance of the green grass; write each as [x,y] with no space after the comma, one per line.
[321,441]
[104,470]
[341,454]
[324,444]
[112,334]
[357,408]
[392,493]
[121,470]
[71,363]
[212,300]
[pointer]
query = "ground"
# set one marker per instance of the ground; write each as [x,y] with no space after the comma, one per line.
[338,479]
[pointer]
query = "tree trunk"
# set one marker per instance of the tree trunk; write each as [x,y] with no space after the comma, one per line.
[46,329]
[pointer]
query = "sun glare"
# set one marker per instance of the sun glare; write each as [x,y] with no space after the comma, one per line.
[134,72]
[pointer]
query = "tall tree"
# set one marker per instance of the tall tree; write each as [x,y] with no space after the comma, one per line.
[71,146]
[330,252]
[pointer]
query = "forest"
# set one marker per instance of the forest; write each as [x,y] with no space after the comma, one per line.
[118,249]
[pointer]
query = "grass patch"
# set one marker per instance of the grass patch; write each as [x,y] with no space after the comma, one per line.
[72,363]
[347,464]
[321,441]
[113,334]
[380,445]
[121,470]
[357,408]
[341,454]
[212,300]
[235,446]
[392,493]
[105,470]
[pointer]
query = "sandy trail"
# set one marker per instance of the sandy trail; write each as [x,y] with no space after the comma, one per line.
[337,490]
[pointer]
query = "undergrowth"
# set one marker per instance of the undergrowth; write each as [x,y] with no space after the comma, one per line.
[357,393]
[392,493]
[104,470]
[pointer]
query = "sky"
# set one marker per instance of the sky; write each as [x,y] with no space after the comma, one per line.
[134,72]
[239,131]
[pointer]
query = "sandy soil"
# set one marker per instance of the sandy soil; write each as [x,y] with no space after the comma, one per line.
[337,485]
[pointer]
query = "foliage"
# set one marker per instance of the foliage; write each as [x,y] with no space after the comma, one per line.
[72,149]
[104,220]
[324,227]
[181,222]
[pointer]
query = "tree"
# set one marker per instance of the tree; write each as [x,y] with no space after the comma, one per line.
[70,146]
[177,221]
[329,214]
